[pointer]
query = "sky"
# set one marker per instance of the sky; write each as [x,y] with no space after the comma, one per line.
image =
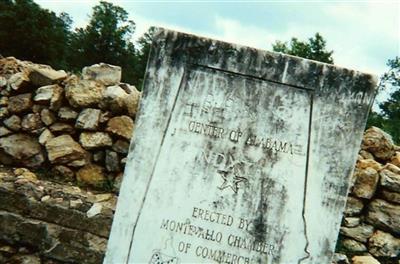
[362,34]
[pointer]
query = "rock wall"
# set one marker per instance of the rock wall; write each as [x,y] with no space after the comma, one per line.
[46,222]
[371,222]
[51,223]
[71,128]
[76,130]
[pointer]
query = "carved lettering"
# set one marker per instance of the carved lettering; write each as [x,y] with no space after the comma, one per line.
[213,217]
[189,229]
[220,256]
[275,145]
[206,129]
[250,244]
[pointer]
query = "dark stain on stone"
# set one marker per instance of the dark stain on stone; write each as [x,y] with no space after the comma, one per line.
[327,249]
[272,157]
[259,230]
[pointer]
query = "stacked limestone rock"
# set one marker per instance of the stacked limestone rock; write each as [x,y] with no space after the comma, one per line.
[75,127]
[371,226]
[43,222]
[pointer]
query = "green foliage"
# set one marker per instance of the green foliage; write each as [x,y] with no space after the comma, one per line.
[143,53]
[106,39]
[314,49]
[389,117]
[374,119]
[392,77]
[29,32]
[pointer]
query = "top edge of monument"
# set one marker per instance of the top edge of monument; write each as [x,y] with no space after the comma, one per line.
[262,64]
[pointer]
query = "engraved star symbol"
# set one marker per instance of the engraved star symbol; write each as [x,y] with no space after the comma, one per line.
[231,179]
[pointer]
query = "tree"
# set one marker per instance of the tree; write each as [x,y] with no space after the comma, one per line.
[106,39]
[392,77]
[29,32]
[389,117]
[314,49]
[143,52]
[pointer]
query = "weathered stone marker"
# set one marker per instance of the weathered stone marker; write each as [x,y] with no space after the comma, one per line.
[239,156]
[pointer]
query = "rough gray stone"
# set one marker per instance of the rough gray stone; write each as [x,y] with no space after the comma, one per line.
[6,159]
[94,210]
[396,159]
[390,180]
[129,89]
[63,172]
[79,163]
[53,241]
[25,259]
[92,175]
[3,81]
[41,76]
[51,95]
[20,103]
[23,149]
[121,126]
[35,161]
[31,122]
[384,215]
[392,168]
[3,100]
[88,119]
[105,116]
[47,117]
[84,93]
[340,259]
[37,108]
[353,206]
[18,81]
[389,196]
[63,149]
[351,221]
[114,99]
[27,199]
[366,183]
[4,131]
[92,140]
[4,113]
[121,146]
[5,92]
[383,244]
[13,123]
[379,143]
[98,156]
[4,248]
[66,113]
[20,146]
[117,182]
[366,154]
[132,102]
[360,233]
[369,163]
[45,136]
[112,161]
[62,128]
[104,73]
[353,245]
[364,260]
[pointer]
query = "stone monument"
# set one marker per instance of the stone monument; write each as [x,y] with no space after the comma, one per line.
[239,156]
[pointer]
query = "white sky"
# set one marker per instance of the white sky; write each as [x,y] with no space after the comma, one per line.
[362,34]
